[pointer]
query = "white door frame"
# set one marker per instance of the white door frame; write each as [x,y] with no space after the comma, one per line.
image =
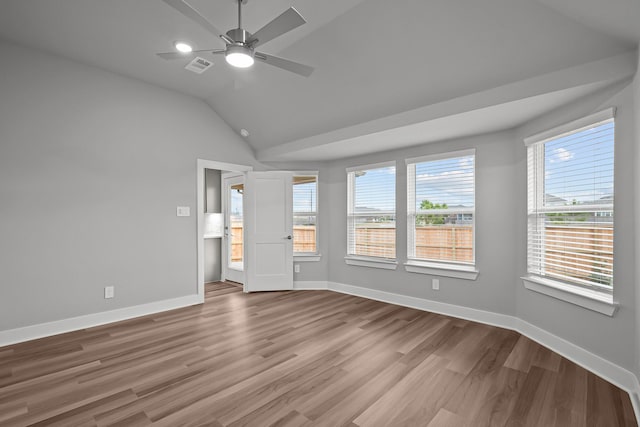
[226,239]
[200,208]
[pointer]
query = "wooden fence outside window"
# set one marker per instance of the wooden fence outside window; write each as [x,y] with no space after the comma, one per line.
[450,243]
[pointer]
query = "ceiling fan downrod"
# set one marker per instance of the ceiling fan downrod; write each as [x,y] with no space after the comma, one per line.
[239,36]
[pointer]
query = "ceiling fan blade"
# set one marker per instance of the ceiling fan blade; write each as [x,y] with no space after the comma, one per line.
[175,55]
[285,64]
[284,23]
[194,15]
[181,55]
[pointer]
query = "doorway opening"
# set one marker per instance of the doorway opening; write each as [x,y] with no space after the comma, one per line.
[233,236]
[211,223]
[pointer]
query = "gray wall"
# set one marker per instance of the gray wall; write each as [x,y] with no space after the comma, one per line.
[212,247]
[92,167]
[212,188]
[495,226]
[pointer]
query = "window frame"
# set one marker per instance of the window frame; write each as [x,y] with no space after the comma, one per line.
[309,256]
[456,269]
[594,297]
[366,260]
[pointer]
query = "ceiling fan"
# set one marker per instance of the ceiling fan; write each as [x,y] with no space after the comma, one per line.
[240,44]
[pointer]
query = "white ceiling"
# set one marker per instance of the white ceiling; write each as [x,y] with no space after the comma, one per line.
[376,61]
[618,18]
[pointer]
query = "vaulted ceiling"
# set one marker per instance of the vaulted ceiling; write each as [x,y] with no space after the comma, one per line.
[387,73]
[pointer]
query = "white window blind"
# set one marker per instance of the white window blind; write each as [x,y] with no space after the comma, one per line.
[441,207]
[570,203]
[371,211]
[305,213]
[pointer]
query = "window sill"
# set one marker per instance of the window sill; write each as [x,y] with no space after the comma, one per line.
[371,262]
[586,298]
[467,272]
[306,257]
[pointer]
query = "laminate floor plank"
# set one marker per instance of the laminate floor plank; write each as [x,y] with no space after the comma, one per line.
[445,418]
[326,397]
[404,395]
[483,380]
[292,419]
[497,405]
[522,355]
[354,404]
[302,358]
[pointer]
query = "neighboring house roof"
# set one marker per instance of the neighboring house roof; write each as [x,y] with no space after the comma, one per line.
[364,209]
[605,199]
[550,199]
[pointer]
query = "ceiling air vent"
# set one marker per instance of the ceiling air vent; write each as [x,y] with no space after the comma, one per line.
[198,65]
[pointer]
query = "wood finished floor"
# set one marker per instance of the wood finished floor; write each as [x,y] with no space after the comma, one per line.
[305,358]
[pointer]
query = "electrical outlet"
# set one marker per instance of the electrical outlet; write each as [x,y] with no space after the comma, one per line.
[183,211]
[108,292]
[296,268]
[435,284]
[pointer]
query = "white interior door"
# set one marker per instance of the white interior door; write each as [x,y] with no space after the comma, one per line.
[268,219]
[233,237]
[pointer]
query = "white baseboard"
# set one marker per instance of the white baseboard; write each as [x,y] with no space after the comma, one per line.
[310,285]
[27,333]
[467,313]
[611,372]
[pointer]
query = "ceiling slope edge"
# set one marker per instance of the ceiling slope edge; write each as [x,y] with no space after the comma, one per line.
[570,82]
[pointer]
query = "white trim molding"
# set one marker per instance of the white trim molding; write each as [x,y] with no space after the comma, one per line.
[473,314]
[385,264]
[589,299]
[41,330]
[310,285]
[307,257]
[467,272]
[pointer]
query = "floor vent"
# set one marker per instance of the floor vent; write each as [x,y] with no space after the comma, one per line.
[198,65]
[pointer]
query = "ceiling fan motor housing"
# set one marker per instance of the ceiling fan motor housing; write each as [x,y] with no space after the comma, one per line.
[239,35]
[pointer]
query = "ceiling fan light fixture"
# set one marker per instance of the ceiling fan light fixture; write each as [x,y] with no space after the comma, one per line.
[183,47]
[239,56]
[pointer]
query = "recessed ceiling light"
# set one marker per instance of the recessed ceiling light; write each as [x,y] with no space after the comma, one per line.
[244,133]
[183,47]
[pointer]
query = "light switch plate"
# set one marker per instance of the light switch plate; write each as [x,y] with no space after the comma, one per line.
[435,284]
[183,211]
[109,292]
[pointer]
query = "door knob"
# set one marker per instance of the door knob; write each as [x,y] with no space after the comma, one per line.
[289,237]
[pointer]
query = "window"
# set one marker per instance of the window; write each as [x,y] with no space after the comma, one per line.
[305,213]
[441,208]
[371,211]
[570,203]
